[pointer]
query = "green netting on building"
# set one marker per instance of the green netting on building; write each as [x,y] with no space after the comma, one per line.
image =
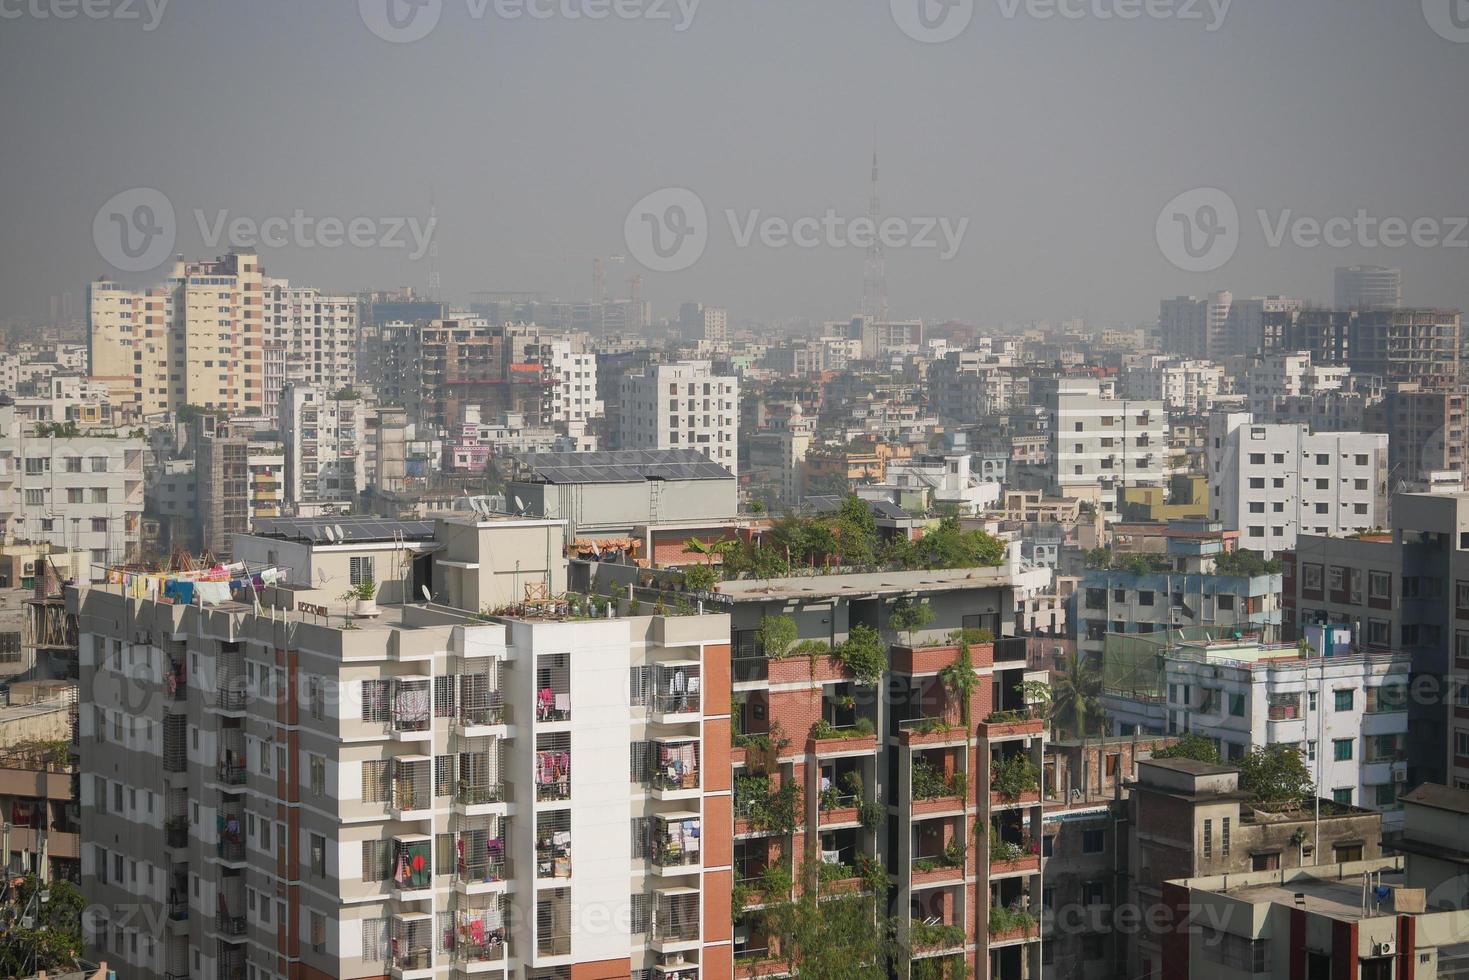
[1132,663]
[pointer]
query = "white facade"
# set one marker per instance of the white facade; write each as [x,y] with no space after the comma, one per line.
[1273,481]
[315,335]
[325,445]
[1183,385]
[75,493]
[573,397]
[1097,441]
[1281,377]
[682,406]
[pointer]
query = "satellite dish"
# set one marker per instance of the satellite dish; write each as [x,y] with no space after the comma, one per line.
[327,533]
[427,595]
[322,576]
[519,507]
[341,535]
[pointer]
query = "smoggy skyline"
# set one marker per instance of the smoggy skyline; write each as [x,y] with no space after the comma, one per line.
[1039,150]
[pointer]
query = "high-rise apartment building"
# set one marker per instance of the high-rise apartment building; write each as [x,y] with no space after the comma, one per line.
[423,794]
[326,445]
[1100,442]
[1414,345]
[197,339]
[709,324]
[1218,325]
[1271,481]
[1182,385]
[681,406]
[1367,286]
[310,338]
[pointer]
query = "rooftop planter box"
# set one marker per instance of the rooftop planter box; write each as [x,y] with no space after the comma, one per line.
[937,805]
[856,743]
[938,874]
[803,669]
[1024,863]
[927,732]
[839,815]
[1029,797]
[751,969]
[1012,724]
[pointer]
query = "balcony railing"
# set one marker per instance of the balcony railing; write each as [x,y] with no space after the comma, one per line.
[478,794]
[414,958]
[176,832]
[229,925]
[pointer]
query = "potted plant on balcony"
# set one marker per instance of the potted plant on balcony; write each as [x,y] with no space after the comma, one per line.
[364,596]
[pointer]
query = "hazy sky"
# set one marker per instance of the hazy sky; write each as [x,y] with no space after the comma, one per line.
[1059,139]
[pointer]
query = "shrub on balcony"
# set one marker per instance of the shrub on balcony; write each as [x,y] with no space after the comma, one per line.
[1004,919]
[767,809]
[1015,775]
[1002,851]
[863,654]
[929,783]
[923,934]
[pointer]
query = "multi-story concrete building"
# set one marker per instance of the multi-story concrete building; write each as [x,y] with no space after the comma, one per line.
[1273,481]
[967,386]
[881,338]
[681,406]
[1100,445]
[1347,711]
[1182,385]
[75,493]
[1183,590]
[407,790]
[1428,437]
[1188,819]
[198,339]
[1315,921]
[571,373]
[1413,345]
[325,442]
[1408,591]
[1366,286]
[311,338]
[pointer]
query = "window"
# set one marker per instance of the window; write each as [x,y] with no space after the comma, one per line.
[1145,597]
[1311,577]
[1224,838]
[318,932]
[1384,795]
[360,569]
[1344,700]
[374,940]
[1265,862]
[318,855]
[1237,705]
[1208,838]
[377,860]
[317,766]
[1094,893]
[376,701]
[1311,750]
[376,787]
[1093,841]
[1341,749]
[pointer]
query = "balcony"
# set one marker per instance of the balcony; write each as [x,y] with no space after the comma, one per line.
[412,797]
[229,925]
[411,956]
[230,766]
[412,711]
[481,702]
[676,692]
[176,832]
[676,768]
[934,732]
[676,843]
[675,924]
[479,935]
[553,696]
[480,862]
[175,682]
[939,868]
[933,937]
[553,766]
[828,742]
[413,867]
[230,846]
[553,844]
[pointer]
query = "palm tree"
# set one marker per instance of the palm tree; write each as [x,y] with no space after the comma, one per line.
[1076,694]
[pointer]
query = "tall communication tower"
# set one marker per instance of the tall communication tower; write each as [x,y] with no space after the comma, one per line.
[874,276]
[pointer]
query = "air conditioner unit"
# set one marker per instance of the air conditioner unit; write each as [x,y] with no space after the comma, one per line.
[28,568]
[1386,949]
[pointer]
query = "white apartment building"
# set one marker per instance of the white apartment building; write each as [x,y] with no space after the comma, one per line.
[682,406]
[1347,713]
[1100,444]
[325,446]
[1277,379]
[1182,385]
[310,338]
[572,395]
[76,493]
[1271,481]
[421,794]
